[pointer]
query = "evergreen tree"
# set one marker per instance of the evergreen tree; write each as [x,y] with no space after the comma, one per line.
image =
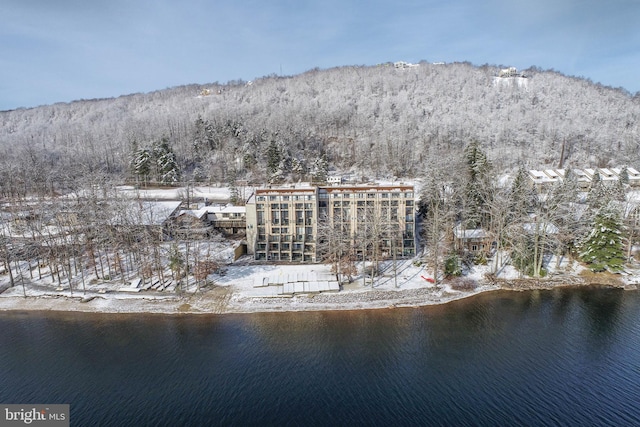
[478,187]
[141,164]
[203,136]
[523,197]
[624,175]
[598,195]
[320,170]
[452,266]
[274,156]
[602,249]
[167,170]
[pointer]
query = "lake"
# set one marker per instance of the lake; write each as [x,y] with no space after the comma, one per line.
[562,357]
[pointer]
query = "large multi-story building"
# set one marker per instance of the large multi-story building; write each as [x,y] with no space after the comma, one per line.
[302,224]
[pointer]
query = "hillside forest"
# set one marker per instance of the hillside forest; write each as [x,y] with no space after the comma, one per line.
[455,128]
[371,121]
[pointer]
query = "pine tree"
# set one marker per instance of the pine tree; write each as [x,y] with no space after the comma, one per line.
[320,170]
[274,156]
[167,169]
[523,197]
[624,175]
[141,164]
[478,184]
[602,249]
[598,195]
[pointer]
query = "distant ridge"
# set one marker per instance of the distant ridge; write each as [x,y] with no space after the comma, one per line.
[377,120]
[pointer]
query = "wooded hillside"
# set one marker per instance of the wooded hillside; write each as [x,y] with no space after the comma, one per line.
[378,121]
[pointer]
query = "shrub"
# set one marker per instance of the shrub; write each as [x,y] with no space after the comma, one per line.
[452,266]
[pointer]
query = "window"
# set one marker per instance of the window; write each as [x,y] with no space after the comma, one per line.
[260,206]
[273,198]
[371,196]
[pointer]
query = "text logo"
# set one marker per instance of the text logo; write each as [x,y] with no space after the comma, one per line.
[34,415]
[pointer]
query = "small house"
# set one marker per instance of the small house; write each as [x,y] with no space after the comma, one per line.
[472,240]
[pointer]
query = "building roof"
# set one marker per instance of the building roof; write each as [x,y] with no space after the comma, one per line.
[469,233]
[368,187]
[550,176]
[146,212]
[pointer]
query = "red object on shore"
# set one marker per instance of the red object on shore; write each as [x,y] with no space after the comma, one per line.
[428,279]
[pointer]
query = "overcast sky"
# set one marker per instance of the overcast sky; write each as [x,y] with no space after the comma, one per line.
[63,50]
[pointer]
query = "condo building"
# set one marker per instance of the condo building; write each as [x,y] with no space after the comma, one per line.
[302,223]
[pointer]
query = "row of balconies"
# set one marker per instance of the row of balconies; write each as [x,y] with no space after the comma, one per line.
[286,238]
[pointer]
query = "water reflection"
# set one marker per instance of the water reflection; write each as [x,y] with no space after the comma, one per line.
[566,356]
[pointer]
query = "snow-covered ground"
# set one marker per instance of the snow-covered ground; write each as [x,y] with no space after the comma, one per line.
[236,291]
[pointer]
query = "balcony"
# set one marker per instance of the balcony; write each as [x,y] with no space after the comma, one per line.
[229,223]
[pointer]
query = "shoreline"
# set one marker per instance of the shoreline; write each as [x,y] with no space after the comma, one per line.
[223,300]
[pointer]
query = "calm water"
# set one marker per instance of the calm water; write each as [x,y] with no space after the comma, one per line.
[568,357]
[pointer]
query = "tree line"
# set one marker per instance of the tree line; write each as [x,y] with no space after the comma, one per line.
[377,122]
[524,226]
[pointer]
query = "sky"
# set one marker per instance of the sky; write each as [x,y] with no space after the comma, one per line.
[63,50]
